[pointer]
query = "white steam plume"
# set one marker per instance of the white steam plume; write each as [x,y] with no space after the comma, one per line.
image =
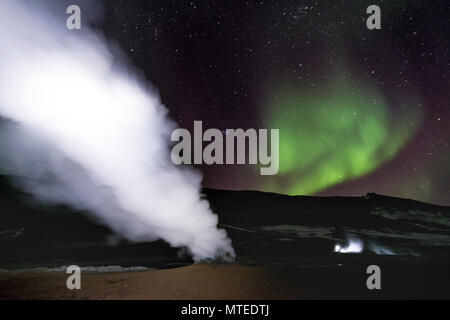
[91,136]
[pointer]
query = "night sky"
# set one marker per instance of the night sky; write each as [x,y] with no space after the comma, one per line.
[358,110]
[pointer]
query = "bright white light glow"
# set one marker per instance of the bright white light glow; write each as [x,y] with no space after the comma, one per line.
[353,246]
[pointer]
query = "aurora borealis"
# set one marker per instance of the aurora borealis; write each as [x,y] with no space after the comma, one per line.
[335,134]
[358,110]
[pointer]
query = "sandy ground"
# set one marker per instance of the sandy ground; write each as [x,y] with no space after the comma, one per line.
[232,282]
[191,282]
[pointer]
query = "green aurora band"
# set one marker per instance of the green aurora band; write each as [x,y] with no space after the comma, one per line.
[334,134]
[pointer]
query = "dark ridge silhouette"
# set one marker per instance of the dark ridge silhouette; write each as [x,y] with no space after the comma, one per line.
[266,229]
